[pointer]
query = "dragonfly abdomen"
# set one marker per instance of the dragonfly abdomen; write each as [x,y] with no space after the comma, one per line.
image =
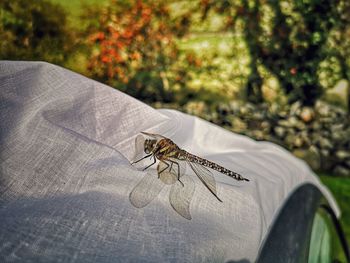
[214,166]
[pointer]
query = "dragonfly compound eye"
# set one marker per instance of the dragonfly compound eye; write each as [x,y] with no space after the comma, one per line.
[148,147]
[145,147]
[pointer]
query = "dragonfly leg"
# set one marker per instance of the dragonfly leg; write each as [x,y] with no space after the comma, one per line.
[178,171]
[142,158]
[167,166]
[154,161]
[171,166]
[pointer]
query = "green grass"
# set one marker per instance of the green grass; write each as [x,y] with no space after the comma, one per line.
[340,187]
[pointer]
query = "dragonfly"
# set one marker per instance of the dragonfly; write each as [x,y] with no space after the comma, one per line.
[171,167]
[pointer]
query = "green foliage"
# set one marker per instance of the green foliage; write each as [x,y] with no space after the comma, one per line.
[302,46]
[290,39]
[33,30]
[220,73]
[75,7]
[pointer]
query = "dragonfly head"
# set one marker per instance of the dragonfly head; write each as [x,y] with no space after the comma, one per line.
[150,144]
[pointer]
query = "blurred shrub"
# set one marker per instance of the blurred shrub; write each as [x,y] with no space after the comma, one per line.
[293,40]
[34,30]
[133,48]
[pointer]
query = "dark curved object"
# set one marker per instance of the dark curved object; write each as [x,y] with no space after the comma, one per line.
[289,237]
[339,230]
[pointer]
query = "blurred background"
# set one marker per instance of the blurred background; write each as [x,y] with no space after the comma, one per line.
[272,70]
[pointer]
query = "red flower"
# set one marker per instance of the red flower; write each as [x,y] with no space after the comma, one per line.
[293,71]
[106,59]
[97,36]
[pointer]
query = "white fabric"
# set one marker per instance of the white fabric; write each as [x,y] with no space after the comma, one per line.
[66,143]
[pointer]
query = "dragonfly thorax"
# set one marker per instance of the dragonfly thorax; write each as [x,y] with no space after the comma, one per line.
[149,145]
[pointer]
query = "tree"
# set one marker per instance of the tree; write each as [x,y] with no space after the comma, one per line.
[34,30]
[288,38]
[132,47]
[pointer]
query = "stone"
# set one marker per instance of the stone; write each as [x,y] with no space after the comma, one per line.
[337,127]
[323,108]
[342,154]
[195,108]
[279,131]
[258,134]
[325,153]
[274,109]
[290,122]
[339,95]
[316,125]
[265,126]
[298,142]
[325,143]
[300,125]
[305,136]
[295,108]
[290,139]
[237,124]
[243,110]
[341,171]
[311,156]
[307,114]
[235,106]
[258,116]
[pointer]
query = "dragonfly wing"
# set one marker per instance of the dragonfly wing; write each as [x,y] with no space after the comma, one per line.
[181,195]
[146,190]
[206,177]
[153,135]
[139,144]
[139,152]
